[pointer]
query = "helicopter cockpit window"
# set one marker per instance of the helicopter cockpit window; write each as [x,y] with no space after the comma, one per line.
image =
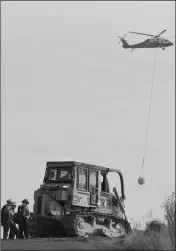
[58,174]
[82,179]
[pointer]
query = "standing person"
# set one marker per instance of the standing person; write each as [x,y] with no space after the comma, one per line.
[5,218]
[23,222]
[13,227]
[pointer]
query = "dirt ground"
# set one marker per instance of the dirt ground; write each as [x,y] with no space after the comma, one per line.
[93,243]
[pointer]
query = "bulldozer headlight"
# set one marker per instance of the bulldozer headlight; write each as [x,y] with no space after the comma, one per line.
[56,209]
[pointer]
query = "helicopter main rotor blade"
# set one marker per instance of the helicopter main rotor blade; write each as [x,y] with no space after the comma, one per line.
[160,33]
[141,33]
[155,36]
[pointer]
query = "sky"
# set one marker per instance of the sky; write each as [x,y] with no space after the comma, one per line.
[69,91]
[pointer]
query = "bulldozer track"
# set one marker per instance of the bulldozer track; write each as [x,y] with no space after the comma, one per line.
[76,218]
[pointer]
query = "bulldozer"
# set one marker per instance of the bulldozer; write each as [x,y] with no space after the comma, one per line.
[75,200]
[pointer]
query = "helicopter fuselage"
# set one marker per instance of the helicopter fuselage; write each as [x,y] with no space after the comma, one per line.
[150,43]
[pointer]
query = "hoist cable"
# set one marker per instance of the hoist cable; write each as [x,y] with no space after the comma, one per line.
[148,118]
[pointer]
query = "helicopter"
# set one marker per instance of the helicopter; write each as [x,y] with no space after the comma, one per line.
[155,42]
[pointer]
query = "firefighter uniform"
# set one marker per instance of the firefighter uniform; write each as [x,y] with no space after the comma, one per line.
[23,224]
[13,227]
[5,218]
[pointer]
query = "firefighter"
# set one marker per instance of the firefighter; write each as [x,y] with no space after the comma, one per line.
[5,218]
[13,227]
[23,219]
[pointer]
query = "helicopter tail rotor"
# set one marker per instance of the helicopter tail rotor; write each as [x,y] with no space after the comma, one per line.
[122,38]
[125,45]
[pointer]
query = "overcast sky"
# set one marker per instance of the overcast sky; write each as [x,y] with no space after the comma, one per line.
[71,92]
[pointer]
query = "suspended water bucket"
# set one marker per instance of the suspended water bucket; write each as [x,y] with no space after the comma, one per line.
[141,181]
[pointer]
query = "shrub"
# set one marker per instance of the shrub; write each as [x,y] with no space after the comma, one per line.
[154,226]
[147,240]
[149,234]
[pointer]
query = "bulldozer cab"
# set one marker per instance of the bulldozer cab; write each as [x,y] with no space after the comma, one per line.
[85,185]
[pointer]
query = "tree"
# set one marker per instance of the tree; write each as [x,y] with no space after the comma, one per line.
[169,210]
